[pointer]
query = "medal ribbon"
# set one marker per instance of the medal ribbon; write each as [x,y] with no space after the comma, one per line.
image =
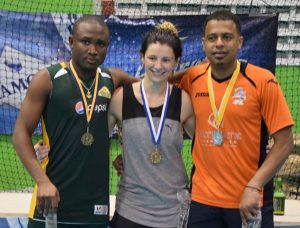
[88,113]
[219,113]
[155,135]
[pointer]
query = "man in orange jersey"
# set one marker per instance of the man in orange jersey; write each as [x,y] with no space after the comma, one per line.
[237,105]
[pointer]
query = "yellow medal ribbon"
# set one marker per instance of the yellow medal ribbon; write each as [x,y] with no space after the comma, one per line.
[218,114]
[88,113]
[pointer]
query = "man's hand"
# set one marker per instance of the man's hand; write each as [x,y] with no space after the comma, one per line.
[249,205]
[47,197]
[118,165]
[41,151]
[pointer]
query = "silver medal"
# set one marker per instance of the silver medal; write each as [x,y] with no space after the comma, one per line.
[217,137]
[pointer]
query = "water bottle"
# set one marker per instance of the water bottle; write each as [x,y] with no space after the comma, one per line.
[256,223]
[51,218]
[279,198]
[184,199]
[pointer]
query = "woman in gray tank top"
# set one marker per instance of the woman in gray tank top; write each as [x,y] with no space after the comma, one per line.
[152,114]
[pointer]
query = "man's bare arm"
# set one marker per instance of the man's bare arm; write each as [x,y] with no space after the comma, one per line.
[283,144]
[29,116]
[121,77]
[178,75]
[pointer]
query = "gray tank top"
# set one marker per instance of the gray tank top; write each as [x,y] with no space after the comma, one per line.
[148,192]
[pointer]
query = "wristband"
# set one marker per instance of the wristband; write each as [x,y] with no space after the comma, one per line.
[253,187]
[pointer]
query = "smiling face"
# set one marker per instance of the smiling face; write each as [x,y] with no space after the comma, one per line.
[221,43]
[159,61]
[89,45]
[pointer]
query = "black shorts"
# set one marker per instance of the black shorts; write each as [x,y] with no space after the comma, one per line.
[40,224]
[119,221]
[206,216]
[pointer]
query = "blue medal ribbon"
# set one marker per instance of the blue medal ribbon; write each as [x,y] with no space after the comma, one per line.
[155,135]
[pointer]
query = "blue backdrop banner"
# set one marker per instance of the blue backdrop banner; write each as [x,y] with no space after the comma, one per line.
[29,42]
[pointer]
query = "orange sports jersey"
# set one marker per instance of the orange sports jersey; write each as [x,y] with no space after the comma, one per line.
[255,108]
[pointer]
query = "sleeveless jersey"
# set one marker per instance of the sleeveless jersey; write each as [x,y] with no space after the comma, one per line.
[148,192]
[81,173]
[255,108]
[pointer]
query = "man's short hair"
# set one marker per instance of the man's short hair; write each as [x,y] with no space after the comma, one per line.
[223,15]
[88,18]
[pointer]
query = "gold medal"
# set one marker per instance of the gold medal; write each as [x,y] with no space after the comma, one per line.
[155,156]
[87,138]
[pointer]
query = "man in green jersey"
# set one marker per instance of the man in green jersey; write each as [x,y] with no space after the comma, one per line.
[72,99]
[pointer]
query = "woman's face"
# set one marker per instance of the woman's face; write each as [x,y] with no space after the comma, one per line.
[159,61]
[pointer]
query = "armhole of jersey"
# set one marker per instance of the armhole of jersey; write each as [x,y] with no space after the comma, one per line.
[106,70]
[177,100]
[52,70]
[127,100]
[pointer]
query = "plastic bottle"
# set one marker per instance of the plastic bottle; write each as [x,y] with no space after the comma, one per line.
[254,224]
[184,199]
[279,198]
[51,218]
